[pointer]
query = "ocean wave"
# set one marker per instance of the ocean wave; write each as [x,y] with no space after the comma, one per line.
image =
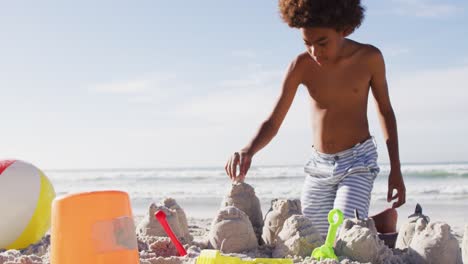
[430,171]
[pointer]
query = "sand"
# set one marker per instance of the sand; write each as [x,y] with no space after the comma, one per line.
[175,216]
[434,243]
[281,209]
[242,196]
[298,237]
[359,241]
[233,232]
[408,229]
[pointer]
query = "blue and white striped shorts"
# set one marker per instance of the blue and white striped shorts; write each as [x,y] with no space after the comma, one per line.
[343,180]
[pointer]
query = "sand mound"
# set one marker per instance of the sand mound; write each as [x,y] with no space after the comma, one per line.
[181,216]
[242,196]
[37,253]
[149,225]
[15,256]
[406,232]
[281,209]
[297,237]
[434,243]
[465,245]
[359,241]
[232,232]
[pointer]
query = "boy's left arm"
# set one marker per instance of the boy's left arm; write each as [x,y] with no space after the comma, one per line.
[388,122]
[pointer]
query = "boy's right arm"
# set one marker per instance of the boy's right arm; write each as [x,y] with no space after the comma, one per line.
[270,126]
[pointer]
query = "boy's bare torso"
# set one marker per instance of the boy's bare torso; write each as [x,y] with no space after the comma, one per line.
[338,96]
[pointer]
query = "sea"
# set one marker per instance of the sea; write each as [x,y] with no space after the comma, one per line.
[440,188]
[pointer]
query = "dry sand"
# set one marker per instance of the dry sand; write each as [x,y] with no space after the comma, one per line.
[242,196]
[156,249]
[234,232]
[281,209]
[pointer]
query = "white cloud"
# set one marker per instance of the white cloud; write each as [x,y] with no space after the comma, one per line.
[424,8]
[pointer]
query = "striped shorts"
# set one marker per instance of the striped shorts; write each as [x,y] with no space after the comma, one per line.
[343,180]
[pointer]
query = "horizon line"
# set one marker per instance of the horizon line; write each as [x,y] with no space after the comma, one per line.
[222,167]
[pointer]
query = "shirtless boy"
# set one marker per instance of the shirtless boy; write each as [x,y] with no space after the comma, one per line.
[338,73]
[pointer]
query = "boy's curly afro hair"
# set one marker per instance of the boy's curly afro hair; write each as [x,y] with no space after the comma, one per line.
[337,14]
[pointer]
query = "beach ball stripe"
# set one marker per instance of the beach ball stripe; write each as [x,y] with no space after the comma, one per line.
[26,197]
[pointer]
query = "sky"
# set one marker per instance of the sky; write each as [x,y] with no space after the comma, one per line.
[148,84]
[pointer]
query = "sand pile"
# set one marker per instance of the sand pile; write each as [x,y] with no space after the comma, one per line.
[406,232]
[232,232]
[465,245]
[15,256]
[297,237]
[161,250]
[281,209]
[37,253]
[175,217]
[180,213]
[434,243]
[287,234]
[359,241]
[242,196]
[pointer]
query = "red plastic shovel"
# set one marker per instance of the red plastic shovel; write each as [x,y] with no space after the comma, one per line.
[161,216]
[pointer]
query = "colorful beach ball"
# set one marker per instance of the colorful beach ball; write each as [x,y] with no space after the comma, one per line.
[25,204]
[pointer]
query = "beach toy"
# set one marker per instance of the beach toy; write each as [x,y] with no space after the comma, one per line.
[335,219]
[26,196]
[93,227]
[161,216]
[209,256]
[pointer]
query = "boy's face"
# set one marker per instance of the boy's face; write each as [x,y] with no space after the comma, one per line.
[323,44]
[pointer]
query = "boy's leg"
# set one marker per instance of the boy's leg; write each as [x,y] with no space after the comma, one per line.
[355,187]
[354,192]
[316,201]
[386,221]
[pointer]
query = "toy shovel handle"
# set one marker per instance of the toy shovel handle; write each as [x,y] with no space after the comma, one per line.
[161,217]
[330,241]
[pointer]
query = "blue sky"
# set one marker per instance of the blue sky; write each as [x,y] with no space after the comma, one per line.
[118,84]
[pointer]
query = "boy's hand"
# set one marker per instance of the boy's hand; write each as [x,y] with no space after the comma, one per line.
[395,182]
[242,159]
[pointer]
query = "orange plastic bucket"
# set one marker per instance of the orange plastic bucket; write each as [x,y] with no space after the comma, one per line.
[93,228]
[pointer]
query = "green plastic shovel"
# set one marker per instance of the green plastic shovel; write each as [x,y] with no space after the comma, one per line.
[335,219]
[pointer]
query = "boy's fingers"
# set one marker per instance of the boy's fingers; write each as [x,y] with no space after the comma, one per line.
[234,165]
[401,200]
[242,166]
[245,168]
[389,194]
[226,168]
[229,168]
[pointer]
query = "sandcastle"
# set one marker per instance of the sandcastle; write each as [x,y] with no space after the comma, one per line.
[232,232]
[407,230]
[175,216]
[281,209]
[242,196]
[358,240]
[434,243]
[298,237]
